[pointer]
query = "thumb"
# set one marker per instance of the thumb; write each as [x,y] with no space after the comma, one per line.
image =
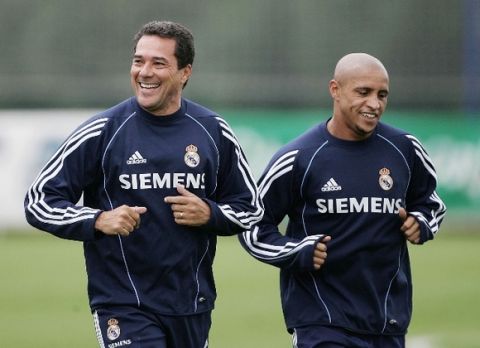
[183,191]
[140,210]
[402,213]
[326,239]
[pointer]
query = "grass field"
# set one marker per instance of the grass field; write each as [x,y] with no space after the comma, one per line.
[43,301]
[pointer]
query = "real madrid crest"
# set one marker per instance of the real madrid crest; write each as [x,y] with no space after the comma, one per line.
[113,330]
[385,180]
[192,159]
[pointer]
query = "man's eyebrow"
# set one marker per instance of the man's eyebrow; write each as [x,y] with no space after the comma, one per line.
[154,58]
[366,88]
[363,88]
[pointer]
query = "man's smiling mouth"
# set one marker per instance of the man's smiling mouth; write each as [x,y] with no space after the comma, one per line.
[148,85]
[369,115]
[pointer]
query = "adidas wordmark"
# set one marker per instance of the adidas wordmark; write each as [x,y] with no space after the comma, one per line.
[136,158]
[331,185]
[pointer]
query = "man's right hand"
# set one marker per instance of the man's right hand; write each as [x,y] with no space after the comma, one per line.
[122,220]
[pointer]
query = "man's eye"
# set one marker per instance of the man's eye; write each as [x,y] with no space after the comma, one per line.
[363,92]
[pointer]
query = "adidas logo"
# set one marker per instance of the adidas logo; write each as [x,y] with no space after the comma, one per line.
[136,158]
[331,185]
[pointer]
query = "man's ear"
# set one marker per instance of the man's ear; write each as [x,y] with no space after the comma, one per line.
[187,72]
[334,88]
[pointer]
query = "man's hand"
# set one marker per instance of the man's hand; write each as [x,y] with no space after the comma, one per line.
[122,220]
[188,209]
[320,252]
[410,227]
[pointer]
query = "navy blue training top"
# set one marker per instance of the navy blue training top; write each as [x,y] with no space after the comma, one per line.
[352,191]
[126,155]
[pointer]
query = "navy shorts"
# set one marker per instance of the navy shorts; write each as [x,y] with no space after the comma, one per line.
[131,327]
[317,336]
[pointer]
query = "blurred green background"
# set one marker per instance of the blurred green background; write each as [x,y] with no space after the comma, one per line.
[265,66]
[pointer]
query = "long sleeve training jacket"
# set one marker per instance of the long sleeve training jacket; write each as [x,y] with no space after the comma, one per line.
[352,191]
[127,156]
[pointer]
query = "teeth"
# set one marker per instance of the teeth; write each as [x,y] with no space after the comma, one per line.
[149,85]
[369,115]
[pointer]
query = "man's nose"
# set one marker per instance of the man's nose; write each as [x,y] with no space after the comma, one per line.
[374,102]
[146,70]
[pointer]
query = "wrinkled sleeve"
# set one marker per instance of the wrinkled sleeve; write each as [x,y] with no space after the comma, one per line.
[236,206]
[279,193]
[51,203]
[423,202]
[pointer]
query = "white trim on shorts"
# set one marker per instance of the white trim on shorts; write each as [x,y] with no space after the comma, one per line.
[98,331]
[294,339]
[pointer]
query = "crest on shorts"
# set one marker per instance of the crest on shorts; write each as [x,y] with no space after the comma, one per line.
[192,159]
[113,330]
[385,180]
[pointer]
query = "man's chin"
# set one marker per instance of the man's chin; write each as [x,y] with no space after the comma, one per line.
[150,107]
[364,132]
[146,102]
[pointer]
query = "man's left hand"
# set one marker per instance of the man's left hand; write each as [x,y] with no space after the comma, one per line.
[188,209]
[410,227]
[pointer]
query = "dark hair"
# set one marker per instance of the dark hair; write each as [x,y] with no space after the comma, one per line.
[184,49]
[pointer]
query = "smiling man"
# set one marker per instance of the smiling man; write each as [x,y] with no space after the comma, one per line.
[161,177]
[363,189]
[157,75]
[359,90]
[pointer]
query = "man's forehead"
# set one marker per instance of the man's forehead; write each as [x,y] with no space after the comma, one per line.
[372,79]
[369,80]
[155,43]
